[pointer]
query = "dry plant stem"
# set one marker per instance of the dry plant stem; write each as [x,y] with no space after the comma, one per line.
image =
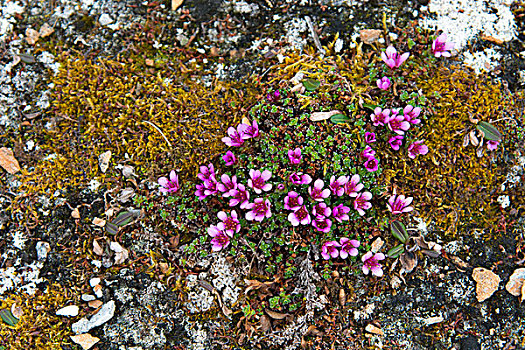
[160,131]
[506,118]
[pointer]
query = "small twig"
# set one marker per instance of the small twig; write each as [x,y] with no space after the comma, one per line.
[314,34]
[160,131]
[506,118]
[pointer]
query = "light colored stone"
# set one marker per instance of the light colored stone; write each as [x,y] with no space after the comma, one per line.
[369,36]
[377,245]
[32,36]
[46,30]
[516,281]
[86,341]
[370,328]
[94,281]
[98,290]
[95,304]
[42,248]
[8,161]
[70,311]
[103,161]
[433,320]
[88,297]
[487,283]
[106,312]
[116,247]
[105,19]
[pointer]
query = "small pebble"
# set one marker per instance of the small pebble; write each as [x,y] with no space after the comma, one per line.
[71,311]
[88,297]
[86,341]
[94,281]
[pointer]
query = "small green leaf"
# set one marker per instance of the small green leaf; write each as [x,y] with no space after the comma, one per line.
[311,84]
[8,317]
[111,228]
[489,131]
[410,43]
[396,251]
[370,106]
[339,119]
[399,231]
[123,218]
[26,58]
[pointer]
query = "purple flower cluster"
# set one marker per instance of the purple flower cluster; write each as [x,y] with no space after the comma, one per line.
[348,247]
[236,137]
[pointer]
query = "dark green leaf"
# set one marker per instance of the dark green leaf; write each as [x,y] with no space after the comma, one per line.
[399,231]
[339,118]
[123,218]
[111,228]
[26,58]
[8,317]
[311,84]
[396,251]
[489,131]
[370,106]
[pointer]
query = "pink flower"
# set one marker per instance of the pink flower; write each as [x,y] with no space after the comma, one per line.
[340,213]
[380,116]
[295,156]
[398,124]
[229,158]
[300,179]
[274,97]
[383,83]
[258,180]
[210,187]
[229,224]
[491,145]
[260,209]
[280,187]
[220,239]
[235,138]
[321,209]
[417,148]
[322,224]
[410,113]
[371,164]
[370,137]
[348,247]
[396,142]
[392,58]
[171,185]
[361,203]
[371,263]
[207,173]
[399,204]
[200,192]
[227,184]
[249,131]
[317,193]
[293,201]
[337,186]
[299,216]
[239,195]
[440,47]
[329,250]
[352,187]
[368,152]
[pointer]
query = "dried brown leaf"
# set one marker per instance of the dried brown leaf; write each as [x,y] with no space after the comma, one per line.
[275,315]
[318,116]
[8,161]
[408,261]
[97,249]
[265,323]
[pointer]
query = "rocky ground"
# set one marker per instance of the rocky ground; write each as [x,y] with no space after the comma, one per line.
[70,280]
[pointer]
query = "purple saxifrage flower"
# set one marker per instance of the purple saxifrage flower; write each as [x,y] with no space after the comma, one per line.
[260,209]
[340,213]
[220,239]
[235,136]
[274,97]
[293,201]
[258,180]
[399,204]
[417,148]
[371,263]
[398,124]
[396,142]
[317,193]
[229,158]
[491,145]
[361,202]
[411,114]
[348,247]
[239,195]
[300,179]
[249,131]
[227,184]
[370,137]
[206,173]
[322,224]
[170,185]
[338,186]
[353,186]
[321,209]
[380,116]
[383,83]
[229,224]
[368,152]
[371,164]
[440,46]
[295,155]
[329,250]
[392,58]
[299,216]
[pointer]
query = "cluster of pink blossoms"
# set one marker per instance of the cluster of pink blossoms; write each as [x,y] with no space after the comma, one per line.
[236,137]
[171,185]
[224,230]
[348,247]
